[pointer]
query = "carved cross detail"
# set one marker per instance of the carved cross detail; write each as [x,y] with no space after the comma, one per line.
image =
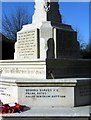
[46,5]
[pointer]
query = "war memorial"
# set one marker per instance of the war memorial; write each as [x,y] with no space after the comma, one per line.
[47,73]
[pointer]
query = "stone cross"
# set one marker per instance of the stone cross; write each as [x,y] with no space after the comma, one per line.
[46,10]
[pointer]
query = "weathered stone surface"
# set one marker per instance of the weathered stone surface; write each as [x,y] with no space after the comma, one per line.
[46,71]
[46,93]
[50,39]
[49,11]
[27,45]
[68,68]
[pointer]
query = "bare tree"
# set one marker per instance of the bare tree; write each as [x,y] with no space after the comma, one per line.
[80,38]
[13,23]
[88,47]
[86,52]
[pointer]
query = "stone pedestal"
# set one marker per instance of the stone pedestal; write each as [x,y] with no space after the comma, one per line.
[39,83]
[46,41]
[46,93]
[46,71]
[46,37]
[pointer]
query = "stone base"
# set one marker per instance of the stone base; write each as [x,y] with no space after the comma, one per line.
[59,113]
[46,39]
[45,69]
[68,92]
[46,118]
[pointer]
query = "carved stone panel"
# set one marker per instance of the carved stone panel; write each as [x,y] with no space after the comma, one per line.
[27,44]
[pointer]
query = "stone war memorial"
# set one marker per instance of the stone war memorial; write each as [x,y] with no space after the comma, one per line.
[47,73]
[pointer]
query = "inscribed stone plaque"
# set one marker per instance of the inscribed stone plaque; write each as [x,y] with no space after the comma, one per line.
[28,44]
[46,96]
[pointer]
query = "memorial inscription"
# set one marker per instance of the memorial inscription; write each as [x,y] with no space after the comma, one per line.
[85,91]
[46,70]
[44,93]
[3,91]
[28,44]
[24,70]
[27,72]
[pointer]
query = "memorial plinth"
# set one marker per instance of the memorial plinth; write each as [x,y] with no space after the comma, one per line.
[68,92]
[47,70]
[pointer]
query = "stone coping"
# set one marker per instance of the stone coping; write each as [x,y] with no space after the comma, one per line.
[41,60]
[82,111]
[27,80]
[21,61]
[69,82]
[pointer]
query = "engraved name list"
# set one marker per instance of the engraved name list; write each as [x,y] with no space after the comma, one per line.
[27,44]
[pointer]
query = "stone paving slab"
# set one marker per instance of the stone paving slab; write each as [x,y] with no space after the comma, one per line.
[84,111]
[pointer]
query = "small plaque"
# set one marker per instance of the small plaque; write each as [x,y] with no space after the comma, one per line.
[27,44]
